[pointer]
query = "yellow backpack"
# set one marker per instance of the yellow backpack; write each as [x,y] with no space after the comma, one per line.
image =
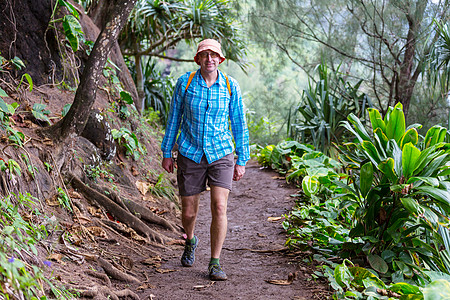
[191,76]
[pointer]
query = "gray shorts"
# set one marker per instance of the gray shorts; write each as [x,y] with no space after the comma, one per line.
[192,177]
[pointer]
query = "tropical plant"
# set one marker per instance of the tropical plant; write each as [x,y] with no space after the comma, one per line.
[156,26]
[360,283]
[18,237]
[158,88]
[401,193]
[130,141]
[326,103]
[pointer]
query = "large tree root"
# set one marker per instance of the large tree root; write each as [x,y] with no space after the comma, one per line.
[116,273]
[105,293]
[116,211]
[101,276]
[140,211]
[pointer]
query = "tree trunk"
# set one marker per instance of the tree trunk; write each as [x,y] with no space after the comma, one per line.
[407,77]
[75,120]
[98,13]
[23,26]
[140,82]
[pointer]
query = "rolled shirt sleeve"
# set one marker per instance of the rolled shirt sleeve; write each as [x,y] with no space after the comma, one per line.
[174,119]
[239,124]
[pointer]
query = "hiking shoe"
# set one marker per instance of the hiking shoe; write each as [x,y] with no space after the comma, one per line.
[188,257]
[216,273]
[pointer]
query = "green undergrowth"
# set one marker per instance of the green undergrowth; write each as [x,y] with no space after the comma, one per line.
[376,215]
[22,228]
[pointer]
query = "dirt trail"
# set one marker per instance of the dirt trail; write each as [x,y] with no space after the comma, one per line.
[258,196]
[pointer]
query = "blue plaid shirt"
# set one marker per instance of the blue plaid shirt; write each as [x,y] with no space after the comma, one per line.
[204,115]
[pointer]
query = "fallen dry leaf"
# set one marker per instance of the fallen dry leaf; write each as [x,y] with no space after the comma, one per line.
[146,286]
[201,287]
[279,282]
[53,201]
[47,142]
[289,281]
[149,198]
[97,231]
[55,257]
[134,171]
[274,219]
[176,242]
[162,271]
[142,186]
[89,256]
[74,194]
[82,219]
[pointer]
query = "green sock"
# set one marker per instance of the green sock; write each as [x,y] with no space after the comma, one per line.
[192,241]
[214,261]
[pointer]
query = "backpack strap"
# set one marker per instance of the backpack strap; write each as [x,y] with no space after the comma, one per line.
[191,76]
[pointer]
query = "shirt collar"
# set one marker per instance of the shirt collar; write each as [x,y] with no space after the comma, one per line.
[220,79]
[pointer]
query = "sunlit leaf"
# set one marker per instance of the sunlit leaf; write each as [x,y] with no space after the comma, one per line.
[376,119]
[410,155]
[395,127]
[72,30]
[310,185]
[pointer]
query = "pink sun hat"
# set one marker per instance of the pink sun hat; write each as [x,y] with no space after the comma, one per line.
[209,44]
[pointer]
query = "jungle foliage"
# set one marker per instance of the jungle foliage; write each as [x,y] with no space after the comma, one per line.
[385,207]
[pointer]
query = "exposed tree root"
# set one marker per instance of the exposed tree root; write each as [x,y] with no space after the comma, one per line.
[138,210]
[149,216]
[116,211]
[105,293]
[101,276]
[117,229]
[116,273]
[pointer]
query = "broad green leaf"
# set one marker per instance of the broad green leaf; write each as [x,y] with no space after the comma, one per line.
[443,196]
[29,80]
[3,93]
[372,152]
[410,136]
[342,275]
[429,180]
[411,205]
[126,97]
[410,155]
[437,290]
[310,185]
[395,127]
[377,263]
[366,178]
[66,109]
[376,120]
[404,288]
[70,8]
[365,278]
[406,270]
[426,156]
[40,112]
[18,63]
[435,165]
[4,106]
[388,114]
[387,168]
[72,30]
[359,127]
[435,134]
